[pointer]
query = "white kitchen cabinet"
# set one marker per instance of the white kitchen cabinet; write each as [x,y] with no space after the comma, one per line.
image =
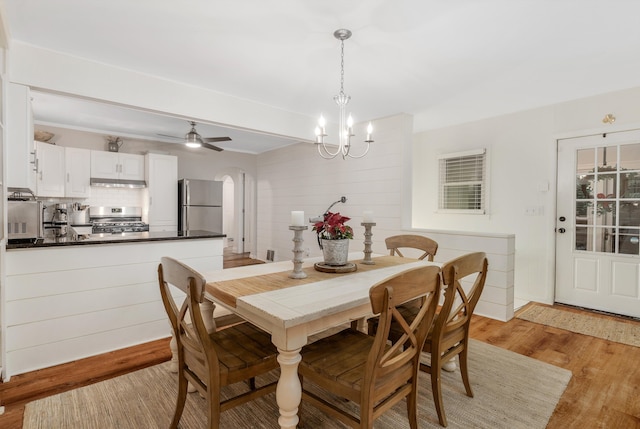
[50,172]
[116,165]
[162,190]
[20,148]
[78,172]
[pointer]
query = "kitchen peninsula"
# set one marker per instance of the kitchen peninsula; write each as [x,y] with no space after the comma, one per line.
[67,298]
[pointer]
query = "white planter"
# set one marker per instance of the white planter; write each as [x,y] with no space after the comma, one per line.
[336,252]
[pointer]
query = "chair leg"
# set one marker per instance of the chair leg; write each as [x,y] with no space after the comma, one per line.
[436,389]
[252,383]
[464,371]
[412,405]
[213,399]
[182,398]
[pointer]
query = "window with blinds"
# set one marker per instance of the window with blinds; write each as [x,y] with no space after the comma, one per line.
[462,182]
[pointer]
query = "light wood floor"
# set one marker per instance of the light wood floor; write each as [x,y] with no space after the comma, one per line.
[604,391]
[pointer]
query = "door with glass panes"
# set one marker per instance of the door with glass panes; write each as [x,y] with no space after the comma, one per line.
[598,222]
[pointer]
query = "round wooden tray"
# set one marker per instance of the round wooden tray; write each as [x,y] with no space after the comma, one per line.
[347,268]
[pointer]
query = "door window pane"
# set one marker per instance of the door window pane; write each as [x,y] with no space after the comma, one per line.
[606,186]
[584,186]
[629,185]
[586,161]
[583,238]
[583,212]
[629,213]
[606,213]
[628,241]
[630,157]
[604,240]
[608,158]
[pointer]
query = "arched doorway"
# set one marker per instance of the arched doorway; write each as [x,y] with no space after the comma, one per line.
[238,217]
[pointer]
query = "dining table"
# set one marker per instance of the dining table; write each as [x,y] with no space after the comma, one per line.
[294,309]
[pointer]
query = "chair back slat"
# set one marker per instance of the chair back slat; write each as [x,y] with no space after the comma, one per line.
[408,241]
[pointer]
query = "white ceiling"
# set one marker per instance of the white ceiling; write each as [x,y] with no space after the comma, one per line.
[445,62]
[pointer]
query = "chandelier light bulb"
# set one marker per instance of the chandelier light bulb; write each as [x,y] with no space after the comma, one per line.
[345,124]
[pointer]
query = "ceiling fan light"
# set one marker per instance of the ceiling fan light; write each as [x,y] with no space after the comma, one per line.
[193,144]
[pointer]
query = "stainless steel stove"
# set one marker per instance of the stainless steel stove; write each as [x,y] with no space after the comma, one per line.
[116,220]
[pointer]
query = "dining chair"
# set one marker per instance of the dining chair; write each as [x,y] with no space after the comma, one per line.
[449,336]
[368,370]
[396,243]
[209,361]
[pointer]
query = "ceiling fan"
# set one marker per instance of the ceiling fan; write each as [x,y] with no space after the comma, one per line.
[193,139]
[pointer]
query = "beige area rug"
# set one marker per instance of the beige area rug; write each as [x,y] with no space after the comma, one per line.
[625,332]
[511,391]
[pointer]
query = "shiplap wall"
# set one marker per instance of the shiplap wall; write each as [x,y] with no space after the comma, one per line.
[80,301]
[296,178]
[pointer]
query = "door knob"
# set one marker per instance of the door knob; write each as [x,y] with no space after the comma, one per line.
[562,230]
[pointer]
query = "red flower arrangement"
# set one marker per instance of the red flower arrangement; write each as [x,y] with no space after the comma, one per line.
[333,227]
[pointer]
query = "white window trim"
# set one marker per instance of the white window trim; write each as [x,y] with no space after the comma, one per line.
[485,183]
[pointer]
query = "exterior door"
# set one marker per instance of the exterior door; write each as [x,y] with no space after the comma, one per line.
[598,222]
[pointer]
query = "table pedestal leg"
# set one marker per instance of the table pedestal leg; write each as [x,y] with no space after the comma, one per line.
[289,391]
[173,365]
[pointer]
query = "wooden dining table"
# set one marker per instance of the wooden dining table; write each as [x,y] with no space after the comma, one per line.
[292,310]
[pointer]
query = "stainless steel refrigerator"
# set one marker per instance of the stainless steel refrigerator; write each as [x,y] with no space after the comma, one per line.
[199,205]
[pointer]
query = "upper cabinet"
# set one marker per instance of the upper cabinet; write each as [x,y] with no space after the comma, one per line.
[50,174]
[78,172]
[21,157]
[116,165]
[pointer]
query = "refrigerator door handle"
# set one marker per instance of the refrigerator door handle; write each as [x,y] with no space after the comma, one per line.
[186,218]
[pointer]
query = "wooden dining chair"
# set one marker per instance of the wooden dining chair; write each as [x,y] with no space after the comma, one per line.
[396,243]
[368,370]
[449,335]
[209,361]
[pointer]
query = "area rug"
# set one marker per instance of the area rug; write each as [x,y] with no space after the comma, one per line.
[511,391]
[625,332]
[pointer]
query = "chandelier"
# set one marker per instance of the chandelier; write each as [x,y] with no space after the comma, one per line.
[345,124]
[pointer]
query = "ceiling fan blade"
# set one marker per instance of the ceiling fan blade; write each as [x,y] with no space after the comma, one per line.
[171,137]
[216,139]
[210,146]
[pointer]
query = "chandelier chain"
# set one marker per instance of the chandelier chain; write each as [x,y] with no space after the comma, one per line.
[342,67]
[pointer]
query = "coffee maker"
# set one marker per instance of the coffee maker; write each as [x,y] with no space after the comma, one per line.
[60,219]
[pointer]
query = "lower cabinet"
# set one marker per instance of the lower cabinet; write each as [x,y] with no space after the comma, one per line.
[70,302]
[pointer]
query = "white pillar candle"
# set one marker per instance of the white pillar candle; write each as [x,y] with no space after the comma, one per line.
[367,216]
[297,218]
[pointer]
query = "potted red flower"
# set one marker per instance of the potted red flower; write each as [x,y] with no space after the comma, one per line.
[334,236]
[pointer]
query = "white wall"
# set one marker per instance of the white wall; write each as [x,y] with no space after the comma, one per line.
[522,166]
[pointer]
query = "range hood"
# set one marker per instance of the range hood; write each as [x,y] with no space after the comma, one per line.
[117,183]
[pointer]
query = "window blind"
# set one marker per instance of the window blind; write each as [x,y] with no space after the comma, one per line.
[462,182]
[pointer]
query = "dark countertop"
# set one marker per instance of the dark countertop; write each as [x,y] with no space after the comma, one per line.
[71,239]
